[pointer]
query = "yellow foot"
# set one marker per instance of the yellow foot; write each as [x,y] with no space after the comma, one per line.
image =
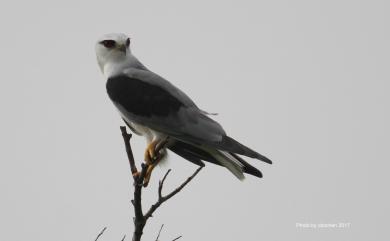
[150,153]
[152,158]
[148,174]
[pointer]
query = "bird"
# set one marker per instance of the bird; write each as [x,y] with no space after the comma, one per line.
[153,107]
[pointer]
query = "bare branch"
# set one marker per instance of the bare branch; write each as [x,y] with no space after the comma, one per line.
[161,184]
[159,232]
[101,233]
[126,138]
[162,198]
[174,192]
[177,238]
[124,237]
[140,219]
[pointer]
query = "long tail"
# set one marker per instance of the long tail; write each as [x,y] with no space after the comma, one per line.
[231,145]
[231,161]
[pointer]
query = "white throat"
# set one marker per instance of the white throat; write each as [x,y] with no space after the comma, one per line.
[116,67]
[113,68]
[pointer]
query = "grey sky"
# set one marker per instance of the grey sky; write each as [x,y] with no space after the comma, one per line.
[304,82]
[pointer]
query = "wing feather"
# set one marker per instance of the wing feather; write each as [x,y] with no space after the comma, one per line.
[148,99]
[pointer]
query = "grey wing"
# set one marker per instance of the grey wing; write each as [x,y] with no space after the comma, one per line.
[148,99]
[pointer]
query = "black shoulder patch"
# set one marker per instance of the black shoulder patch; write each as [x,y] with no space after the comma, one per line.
[141,98]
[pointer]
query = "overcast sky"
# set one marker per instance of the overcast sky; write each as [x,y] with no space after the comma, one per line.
[305,83]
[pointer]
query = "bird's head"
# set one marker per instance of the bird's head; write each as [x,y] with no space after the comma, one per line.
[112,48]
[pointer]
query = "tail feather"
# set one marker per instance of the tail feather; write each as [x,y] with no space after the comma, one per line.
[231,145]
[231,161]
[232,164]
[188,156]
[248,168]
[195,154]
[226,144]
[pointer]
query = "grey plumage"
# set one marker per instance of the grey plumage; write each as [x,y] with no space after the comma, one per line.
[154,107]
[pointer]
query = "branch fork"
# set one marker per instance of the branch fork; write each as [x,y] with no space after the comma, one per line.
[140,218]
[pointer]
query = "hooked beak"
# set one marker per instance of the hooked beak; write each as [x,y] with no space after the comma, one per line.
[122,48]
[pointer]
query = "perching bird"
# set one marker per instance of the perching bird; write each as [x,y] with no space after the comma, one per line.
[153,107]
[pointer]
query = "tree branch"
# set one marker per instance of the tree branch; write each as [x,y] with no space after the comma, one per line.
[159,232]
[162,199]
[139,219]
[126,138]
[101,233]
[138,179]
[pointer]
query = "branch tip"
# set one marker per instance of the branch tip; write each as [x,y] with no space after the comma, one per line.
[101,233]
[159,232]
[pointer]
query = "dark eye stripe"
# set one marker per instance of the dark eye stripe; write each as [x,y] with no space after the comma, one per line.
[108,43]
[128,42]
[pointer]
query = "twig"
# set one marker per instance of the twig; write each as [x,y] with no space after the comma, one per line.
[162,199]
[123,239]
[161,183]
[177,238]
[159,232]
[101,233]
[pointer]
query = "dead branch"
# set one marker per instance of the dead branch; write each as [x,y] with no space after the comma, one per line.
[159,232]
[161,198]
[138,179]
[101,233]
[126,138]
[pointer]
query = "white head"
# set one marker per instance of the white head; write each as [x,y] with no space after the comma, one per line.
[112,50]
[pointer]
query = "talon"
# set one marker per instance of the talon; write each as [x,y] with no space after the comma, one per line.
[147,158]
[150,153]
[148,174]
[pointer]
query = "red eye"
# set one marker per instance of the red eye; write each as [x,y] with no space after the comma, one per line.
[108,43]
[128,42]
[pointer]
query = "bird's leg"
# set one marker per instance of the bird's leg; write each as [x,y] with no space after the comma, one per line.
[150,156]
[148,174]
[149,171]
[153,155]
[150,152]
